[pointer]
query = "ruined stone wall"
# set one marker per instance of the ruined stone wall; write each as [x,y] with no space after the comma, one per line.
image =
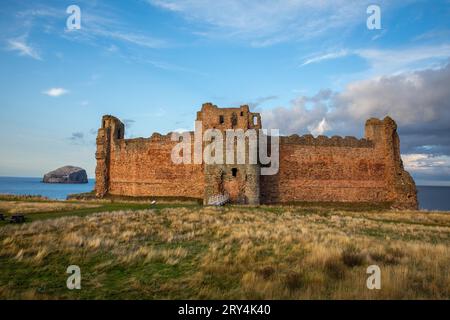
[342,169]
[311,169]
[325,173]
[143,167]
[213,117]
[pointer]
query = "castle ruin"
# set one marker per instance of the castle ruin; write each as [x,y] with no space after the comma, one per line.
[320,169]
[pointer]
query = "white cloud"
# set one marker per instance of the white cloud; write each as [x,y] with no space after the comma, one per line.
[324,57]
[56,92]
[320,128]
[266,22]
[297,118]
[100,22]
[411,98]
[426,167]
[103,22]
[181,130]
[23,48]
[172,6]
[415,161]
[128,37]
[389,61]
[401,60]
[419,101]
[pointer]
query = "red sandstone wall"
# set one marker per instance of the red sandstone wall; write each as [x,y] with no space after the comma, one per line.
[326,173]
[342,169]
[143,167]
[311,169]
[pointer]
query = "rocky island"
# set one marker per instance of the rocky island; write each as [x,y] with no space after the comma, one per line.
[67,174]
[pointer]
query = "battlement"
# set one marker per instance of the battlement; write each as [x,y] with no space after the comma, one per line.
[142,143]
[324,141]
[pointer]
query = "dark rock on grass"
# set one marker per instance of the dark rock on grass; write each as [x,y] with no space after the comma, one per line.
[67,174]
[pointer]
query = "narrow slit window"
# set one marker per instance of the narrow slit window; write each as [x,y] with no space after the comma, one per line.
[234,120]
[234,172]
[221,120]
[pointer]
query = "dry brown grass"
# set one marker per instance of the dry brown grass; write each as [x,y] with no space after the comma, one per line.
[25,197]
[35,207]
[245,253]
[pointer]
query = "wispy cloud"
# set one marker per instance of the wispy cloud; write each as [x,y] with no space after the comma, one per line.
[164,65]
[268,22]
[433,34]
[403,59]
[56,92]
[83,138]
[256,104]
[93,30]
[128,122]
[77,138]
[100,22]
[23,48]
[327,56]
[389,61]
[103,27]
[103,22]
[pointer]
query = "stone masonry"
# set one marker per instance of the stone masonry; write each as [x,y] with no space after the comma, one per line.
[311,169]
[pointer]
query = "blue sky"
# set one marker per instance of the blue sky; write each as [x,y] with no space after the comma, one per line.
[308,66]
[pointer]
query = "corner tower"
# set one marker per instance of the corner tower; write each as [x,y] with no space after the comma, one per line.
[112,129]
[402,190]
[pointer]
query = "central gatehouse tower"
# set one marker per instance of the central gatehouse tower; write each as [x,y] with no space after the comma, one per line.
[238,181]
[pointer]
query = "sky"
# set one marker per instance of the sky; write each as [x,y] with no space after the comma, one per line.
[307,66]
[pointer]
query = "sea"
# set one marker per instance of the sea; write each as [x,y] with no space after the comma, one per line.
[430,197]
[35,186]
